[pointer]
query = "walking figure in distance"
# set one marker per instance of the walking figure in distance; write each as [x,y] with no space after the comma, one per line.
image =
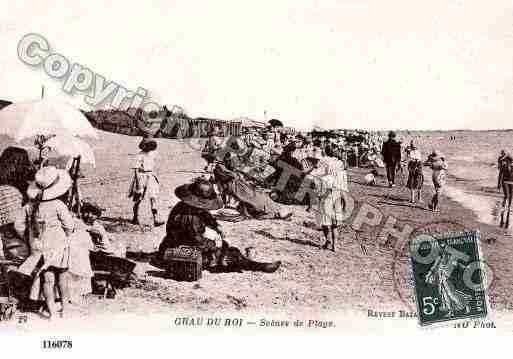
[391,152]
[145,181]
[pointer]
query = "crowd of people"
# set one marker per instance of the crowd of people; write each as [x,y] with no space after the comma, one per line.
[258,175]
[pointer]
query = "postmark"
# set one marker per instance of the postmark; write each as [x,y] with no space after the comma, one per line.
[448,276]
[401,264]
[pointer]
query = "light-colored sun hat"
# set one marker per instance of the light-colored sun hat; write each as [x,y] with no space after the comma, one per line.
[437,154]
[415,155]
[50,183]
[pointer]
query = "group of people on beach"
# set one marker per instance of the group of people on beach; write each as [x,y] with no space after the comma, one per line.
[287,164]
[393,157]
[259,176]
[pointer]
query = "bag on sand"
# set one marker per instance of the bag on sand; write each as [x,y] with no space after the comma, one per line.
[183,263]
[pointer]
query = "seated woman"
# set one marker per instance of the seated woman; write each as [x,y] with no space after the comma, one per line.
[16,170]
[253,203]
[288,194]
[189,224]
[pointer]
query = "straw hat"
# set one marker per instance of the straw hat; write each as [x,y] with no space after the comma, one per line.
[50,183]
[199,194]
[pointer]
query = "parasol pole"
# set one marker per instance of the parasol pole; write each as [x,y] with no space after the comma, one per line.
[40,139]
[74,196]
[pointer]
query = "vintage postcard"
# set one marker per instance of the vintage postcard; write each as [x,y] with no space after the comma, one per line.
[342,167]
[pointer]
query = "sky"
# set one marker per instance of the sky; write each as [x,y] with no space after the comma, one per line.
[396,64]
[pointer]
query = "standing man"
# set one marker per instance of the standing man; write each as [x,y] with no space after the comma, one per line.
[391,152]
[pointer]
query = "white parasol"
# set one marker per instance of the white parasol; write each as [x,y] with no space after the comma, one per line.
[71,146]
[44,117]
[53,124]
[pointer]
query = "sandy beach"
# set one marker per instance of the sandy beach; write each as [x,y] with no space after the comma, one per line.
[362,274]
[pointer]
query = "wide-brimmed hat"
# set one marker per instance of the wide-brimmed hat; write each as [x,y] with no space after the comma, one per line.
[49,183]
[508,157]
[147,145]
[199,194]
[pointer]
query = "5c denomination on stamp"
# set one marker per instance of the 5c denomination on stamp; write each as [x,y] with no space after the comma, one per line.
[449,277]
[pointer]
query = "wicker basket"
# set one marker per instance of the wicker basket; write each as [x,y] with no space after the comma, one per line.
[183,263]
[10,204]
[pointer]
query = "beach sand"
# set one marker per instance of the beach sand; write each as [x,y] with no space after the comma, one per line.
[362,274]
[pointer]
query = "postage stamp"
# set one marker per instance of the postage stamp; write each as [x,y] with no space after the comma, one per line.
[449,277]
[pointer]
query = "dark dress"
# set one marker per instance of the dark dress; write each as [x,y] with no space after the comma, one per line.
[415,175]
[287,195]
[186,226]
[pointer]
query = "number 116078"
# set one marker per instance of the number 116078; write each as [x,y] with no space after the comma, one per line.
[57,344]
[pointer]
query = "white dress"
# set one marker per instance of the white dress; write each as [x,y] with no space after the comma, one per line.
[148,182]
[333,183]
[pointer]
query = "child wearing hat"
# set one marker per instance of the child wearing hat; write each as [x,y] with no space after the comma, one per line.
[415,175]
[49,224]
[145,181]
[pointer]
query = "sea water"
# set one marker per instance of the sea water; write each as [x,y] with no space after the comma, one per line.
[472,159]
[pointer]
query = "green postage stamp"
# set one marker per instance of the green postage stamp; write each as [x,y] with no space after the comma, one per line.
[449,276]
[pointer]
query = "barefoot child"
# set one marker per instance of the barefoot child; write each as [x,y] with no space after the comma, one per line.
[415,176]
[331,203]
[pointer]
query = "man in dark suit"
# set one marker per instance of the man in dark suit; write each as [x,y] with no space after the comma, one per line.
[391,152]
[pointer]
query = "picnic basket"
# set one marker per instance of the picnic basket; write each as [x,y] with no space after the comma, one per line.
[183,263]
